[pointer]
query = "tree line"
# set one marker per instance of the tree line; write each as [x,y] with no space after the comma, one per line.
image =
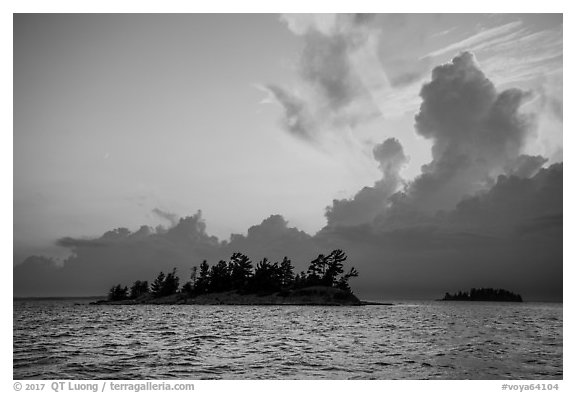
[239,274]
[484,294]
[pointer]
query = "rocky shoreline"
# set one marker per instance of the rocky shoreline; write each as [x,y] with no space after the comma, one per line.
[310,296]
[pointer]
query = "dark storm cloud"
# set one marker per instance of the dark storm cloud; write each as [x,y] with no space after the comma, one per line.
[119,255]
[122,256]
[526,165]
[509,236]
[514,200]
[32,276]
[491,226]
[372,201]
[542,224]
[69,242]
[273,238]
[476,133]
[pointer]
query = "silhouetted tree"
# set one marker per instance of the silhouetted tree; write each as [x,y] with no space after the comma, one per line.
[202,285]
[485,294]
[158,284]
[171,284]
[327,271]
[266,277]
[118,292]
[343,281]
[219,277]
[138,289]
[240,268]
[194,276]
[333,267]
[300,281]
[238,275]
[286,273]
[165,285]
[316,270]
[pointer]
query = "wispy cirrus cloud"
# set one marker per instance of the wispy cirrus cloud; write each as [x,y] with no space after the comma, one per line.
[482,36]
[529,56]
[512,52]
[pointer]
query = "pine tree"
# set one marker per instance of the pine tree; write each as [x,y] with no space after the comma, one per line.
[286,273]
[316,270]
[266,277]
[171,284]
[158,284]
[118,292]
[138,289]
[343,281]
[334,266]
[202,285]
[240,271]
[219,277]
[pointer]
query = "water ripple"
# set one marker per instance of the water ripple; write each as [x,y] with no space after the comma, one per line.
[418,340]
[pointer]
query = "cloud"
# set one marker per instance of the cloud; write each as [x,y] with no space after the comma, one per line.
[372,201]
[482,213]
[122,256]
[509,236]
[170,217]
[484,35]
[326,67]
[408,78]
[332,95]
[273,238]
[550,96]
[557,105]
[476,132]
[526,165]
[530,56]
[515,200]
[296,120]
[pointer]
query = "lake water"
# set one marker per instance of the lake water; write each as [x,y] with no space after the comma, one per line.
[410,340]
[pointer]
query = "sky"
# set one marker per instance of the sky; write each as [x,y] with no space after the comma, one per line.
[429,147]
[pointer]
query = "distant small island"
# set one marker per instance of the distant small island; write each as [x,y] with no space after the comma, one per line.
[484,295]
[236,282]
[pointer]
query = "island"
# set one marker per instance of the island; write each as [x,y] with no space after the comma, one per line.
[484,295]
[237,282]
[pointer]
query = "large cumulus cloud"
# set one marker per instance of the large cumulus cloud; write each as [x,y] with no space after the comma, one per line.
[369,202]
[509,236]
[476,133]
